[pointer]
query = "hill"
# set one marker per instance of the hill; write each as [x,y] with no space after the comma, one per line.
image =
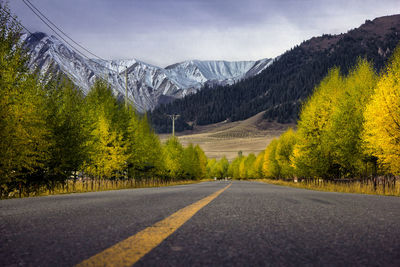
[227,138]
[281,89]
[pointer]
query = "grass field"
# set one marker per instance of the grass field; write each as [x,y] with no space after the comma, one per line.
[353,187]
[227,138]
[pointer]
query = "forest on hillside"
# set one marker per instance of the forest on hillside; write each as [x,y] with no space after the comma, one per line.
[283,87]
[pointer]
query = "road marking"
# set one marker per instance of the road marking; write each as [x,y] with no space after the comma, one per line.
[132,249]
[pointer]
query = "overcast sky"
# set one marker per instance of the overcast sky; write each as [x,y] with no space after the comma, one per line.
[163,32]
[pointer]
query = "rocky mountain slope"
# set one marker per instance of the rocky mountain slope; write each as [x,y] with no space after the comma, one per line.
[281,89]
[148,85]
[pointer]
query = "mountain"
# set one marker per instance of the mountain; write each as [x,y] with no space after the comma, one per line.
[148,85]
[280,89]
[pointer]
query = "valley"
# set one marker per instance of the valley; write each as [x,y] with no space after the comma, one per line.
[227,138]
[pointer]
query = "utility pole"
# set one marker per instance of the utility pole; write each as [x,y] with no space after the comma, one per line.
[126,87]
[173,117]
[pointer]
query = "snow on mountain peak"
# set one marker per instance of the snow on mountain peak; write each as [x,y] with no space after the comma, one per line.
[147,84]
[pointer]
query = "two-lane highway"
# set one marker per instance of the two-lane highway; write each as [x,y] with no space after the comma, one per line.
[206,224]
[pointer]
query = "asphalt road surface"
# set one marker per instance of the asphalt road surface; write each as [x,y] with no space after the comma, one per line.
[248,224]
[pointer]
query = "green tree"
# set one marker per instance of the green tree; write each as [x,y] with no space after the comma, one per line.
[67,124]
[144,157]
[23,131]
[190,163]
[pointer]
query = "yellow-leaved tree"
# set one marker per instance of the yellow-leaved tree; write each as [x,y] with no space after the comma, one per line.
[313,152]
[271,167]
[109,157]
[284,153]
[347,120]
[382,118]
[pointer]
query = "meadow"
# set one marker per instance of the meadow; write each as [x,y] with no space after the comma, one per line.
[228,138]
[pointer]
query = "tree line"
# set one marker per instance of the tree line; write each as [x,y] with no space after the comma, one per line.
[51,133]
[349,128]
[281,89]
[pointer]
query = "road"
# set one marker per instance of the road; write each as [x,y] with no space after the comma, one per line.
[247,224]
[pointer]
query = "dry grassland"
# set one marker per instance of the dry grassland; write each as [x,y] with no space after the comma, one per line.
[227,138]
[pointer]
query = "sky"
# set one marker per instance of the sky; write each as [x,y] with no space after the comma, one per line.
[163,32]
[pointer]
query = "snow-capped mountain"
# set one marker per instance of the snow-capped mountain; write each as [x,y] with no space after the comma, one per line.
[148,85]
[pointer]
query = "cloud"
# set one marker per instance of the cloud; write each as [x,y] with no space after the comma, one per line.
[163,32]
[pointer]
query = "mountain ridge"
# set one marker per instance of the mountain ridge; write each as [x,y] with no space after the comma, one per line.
[280,89]
[148,85]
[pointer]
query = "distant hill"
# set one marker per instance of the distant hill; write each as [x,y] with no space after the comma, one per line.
[281,89]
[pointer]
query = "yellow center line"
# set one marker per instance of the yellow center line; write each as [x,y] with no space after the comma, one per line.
[132,249]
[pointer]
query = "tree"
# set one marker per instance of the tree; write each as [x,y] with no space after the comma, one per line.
[256,170]
[348,120]
[233,169]
[144,157]
[173,154]
[202,159]
[68,129]
[23,131]
[313,153]
[284,153]
[271,167]
[190,163]
[382,118]
[221,168]
[107,144]
[109,155]
[210,168]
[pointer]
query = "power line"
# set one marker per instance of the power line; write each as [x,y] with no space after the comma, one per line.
[58,28]
[73,47]
[54,30]
[19,23]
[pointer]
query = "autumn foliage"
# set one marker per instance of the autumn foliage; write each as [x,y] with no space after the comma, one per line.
[50,133]
[349,128]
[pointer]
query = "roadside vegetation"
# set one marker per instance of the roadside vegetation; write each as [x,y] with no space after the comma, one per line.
[347,137]
[53,139]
